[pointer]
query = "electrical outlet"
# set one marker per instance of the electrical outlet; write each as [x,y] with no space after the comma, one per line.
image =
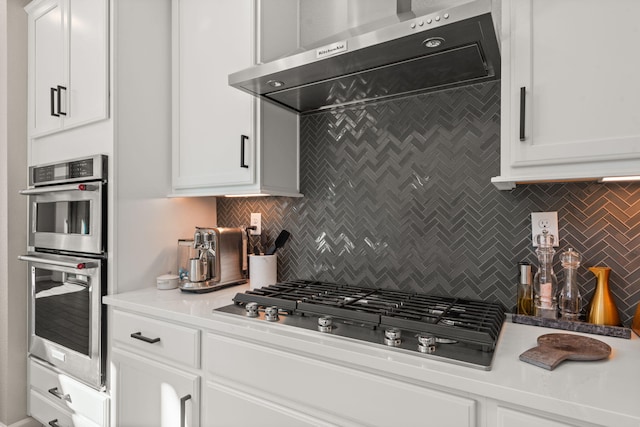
[545,220]
[256,220]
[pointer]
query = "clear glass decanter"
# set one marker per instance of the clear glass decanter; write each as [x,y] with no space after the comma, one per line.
[545,284]
[569,298]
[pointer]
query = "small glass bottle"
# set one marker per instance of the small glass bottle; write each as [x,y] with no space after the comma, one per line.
[545,284]
[569,298]
[525,290]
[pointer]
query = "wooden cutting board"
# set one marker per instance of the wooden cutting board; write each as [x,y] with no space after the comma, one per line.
[555,348]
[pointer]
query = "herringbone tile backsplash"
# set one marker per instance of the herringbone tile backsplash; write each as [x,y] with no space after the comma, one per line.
[398,195]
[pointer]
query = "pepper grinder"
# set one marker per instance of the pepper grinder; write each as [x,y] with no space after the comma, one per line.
[545,284]
[569,298]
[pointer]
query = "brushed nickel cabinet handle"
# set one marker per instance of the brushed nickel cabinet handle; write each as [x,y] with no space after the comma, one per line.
[54,423]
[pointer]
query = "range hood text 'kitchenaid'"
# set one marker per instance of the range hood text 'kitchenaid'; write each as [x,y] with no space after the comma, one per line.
[414,54]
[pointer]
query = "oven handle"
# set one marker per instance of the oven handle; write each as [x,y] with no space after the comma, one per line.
[75,266]
[58,188]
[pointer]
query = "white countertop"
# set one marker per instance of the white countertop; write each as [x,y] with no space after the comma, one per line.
[594,391]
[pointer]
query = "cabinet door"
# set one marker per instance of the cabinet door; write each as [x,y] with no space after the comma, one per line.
[46,65]
[68,64]
[87,99]
[224,406]
[152,394]
[579,70]
[509,417]
[213,141]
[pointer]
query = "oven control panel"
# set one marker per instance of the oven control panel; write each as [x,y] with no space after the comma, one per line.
[85,169]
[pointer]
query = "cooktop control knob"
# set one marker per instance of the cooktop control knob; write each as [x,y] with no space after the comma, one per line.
[427,344]
[252,309]
[325,323]
[271,313]
[392,337]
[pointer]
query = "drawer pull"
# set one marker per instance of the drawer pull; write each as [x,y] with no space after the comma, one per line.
[183,412]
[54,423]
[139,336]
[59,395]
[523,102]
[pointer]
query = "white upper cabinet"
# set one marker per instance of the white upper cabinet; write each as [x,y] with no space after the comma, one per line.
[570,90]
[68,64]
[225,141]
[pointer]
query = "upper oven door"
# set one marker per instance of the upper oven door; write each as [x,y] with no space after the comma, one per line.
[68,217]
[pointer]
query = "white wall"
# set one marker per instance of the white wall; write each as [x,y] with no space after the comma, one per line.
[147,224]
[13,154]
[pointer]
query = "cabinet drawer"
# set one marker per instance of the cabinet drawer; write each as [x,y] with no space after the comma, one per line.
[330,392]
[69,394]
[53,415]
[155,338]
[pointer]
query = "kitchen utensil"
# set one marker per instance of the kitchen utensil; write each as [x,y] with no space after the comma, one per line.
[555,348]
[280,241]
[603,310]
[198,269]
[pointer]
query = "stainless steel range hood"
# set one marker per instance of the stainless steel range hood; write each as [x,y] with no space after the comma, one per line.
[412,54]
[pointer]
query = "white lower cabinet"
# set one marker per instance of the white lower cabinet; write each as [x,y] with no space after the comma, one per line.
[253,374]
[154,372]
[149,393]
[225,406]
[244,374]
[508,417]
[58,400]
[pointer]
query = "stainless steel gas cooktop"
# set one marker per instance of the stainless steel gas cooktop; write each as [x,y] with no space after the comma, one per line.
[456,330]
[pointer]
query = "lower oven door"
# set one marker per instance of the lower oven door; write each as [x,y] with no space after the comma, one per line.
[66,323]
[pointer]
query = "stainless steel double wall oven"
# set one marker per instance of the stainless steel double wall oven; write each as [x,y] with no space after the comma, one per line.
[67,256]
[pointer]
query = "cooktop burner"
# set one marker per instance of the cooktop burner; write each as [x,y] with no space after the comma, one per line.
[453,329]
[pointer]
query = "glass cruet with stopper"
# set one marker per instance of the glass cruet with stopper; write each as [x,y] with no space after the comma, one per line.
[545,284]
[569,299]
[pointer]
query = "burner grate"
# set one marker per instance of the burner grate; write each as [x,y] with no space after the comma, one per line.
[477,322]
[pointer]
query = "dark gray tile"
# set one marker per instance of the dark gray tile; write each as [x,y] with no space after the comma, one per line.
[398,195]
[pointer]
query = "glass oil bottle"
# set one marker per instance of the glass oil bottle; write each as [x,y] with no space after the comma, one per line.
[525,290]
